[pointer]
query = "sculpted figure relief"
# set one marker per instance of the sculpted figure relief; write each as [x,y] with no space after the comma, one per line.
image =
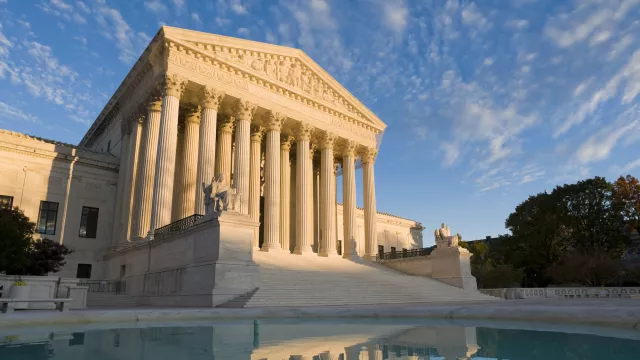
[444,239]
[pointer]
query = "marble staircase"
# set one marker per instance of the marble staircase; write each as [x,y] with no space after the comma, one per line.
[294,281]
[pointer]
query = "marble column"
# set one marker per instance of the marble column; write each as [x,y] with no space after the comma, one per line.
[334,197]
[174,86]
[211,99]
[177,176]
[226,126]
[303,241]
[132,169]
[147,169]
[349,200]
[285,192]
[189,164]
[311,195]
[122,173]
[327,197]
[243,110]
[255,157]
[273,123]
[368,157]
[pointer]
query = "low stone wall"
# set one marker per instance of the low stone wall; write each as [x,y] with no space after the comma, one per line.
[563,293]
[47,287]
[205,265]
[450,265]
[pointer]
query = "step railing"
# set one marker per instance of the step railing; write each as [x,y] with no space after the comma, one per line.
[405,253]
[105,286]
[176,227]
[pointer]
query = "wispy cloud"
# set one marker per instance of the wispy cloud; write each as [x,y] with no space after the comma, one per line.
[113,26]
[12,113]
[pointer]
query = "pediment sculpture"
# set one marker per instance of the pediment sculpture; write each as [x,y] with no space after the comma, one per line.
[219,197]
[444,239]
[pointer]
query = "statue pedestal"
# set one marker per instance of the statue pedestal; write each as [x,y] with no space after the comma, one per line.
[235,273]
[451,265]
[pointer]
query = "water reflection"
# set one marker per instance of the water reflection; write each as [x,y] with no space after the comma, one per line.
[312,340]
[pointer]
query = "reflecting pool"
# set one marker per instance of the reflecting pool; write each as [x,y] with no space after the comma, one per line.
[313,340]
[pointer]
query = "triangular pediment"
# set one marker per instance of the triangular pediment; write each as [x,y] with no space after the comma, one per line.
[286,67]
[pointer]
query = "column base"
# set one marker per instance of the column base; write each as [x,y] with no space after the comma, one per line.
[271,248]
[305,252]
[329,253]
[350,256]
[370,257]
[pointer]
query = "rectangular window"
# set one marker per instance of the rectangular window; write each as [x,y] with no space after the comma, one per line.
[83,271]
[89,222]
[6,202]
[48,217]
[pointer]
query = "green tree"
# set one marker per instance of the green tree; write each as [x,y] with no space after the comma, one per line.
[626,200]
[20,253]
[45,256]
[487,266]
[594,224]
[16,234]
[539,236]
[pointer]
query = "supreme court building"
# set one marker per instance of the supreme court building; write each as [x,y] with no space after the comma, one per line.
[278,128]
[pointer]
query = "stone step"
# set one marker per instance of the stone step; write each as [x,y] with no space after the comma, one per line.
[288,280]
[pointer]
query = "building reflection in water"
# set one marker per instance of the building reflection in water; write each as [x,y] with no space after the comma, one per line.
[310,340]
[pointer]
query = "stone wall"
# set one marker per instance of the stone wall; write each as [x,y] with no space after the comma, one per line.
[33,170]
[563,293]
[206,265]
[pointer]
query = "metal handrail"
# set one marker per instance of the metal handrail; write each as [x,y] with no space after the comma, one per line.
[405,253]
[176,226]
[104,286]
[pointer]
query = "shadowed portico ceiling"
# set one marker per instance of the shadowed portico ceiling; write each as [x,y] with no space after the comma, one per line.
[287,72]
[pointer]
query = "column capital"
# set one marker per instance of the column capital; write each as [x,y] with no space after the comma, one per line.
[257,132]
[303,131]
[154,103]
[286,141]
[273,120]
[226,123]
[244,109]
[211,98]
[349,148]
[312,150]
[327,140]
[336,166]
[193,115]
[368,155]
[173,85]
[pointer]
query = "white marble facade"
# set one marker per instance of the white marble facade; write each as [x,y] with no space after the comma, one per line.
[267,117]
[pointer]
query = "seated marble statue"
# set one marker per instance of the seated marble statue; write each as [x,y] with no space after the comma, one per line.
[444,239]
[218,196]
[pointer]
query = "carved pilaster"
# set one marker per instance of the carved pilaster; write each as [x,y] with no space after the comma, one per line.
[211,98]
[173,85]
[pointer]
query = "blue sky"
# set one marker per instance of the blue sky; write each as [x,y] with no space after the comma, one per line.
[486,101]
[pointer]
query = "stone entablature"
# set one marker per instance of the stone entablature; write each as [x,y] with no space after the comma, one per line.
[233,64]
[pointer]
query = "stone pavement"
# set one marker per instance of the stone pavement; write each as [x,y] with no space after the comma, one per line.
[620,313]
